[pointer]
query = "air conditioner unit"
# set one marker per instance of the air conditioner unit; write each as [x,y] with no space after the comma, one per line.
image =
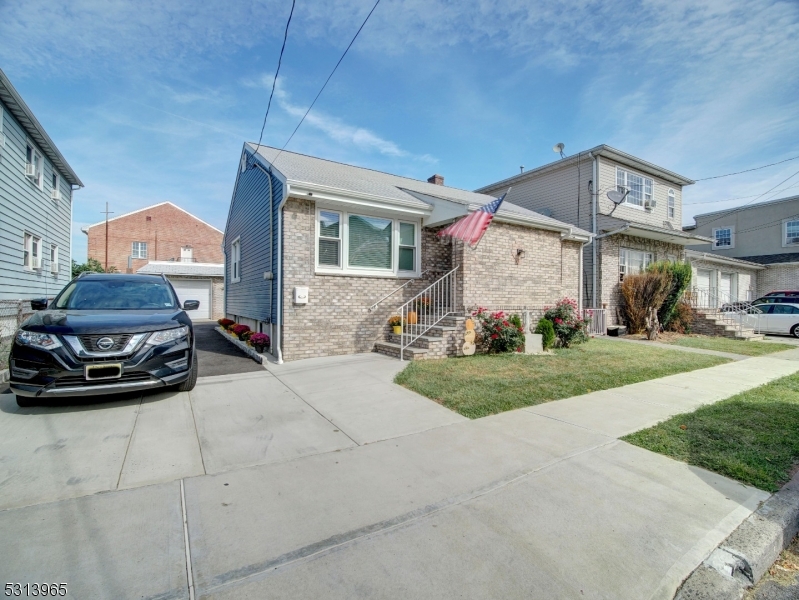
[54,267]
[650,204]
[30,170]
[37,262]
[55,195]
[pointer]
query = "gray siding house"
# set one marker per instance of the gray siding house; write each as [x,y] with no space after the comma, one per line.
[36,185]
[764,235]
[318,254]
[644,228]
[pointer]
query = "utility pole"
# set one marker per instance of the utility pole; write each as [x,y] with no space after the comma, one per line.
[106,235]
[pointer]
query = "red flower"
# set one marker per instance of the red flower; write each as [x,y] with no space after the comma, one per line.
[558,320]
[494,336]
[505,323]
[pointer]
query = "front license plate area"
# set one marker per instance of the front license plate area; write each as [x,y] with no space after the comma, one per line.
[104,371]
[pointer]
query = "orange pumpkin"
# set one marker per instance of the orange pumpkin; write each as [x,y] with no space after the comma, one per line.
[412,320]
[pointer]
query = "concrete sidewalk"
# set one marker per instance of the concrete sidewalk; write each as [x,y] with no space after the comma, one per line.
[324,479]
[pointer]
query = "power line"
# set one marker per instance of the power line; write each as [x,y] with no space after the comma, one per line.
[751,201]
[737,198]
[274,81]
[327,80]
[747,170]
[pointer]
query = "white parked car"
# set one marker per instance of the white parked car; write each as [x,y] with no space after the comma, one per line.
[782,319]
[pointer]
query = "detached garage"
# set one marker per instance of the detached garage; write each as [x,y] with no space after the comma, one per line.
[194,281]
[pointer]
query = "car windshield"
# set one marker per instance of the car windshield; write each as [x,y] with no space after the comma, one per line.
[108,294]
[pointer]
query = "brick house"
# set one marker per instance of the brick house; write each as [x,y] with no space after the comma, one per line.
[633,207]
[161,232]
[319,254]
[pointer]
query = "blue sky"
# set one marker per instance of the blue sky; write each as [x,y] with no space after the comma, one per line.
[151,101]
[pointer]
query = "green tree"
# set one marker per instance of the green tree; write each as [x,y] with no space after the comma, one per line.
[680,273]
[91,265]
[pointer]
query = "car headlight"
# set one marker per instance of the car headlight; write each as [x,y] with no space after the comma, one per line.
[43,341]
[167,335]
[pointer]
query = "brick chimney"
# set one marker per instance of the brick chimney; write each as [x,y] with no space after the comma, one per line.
[437,179]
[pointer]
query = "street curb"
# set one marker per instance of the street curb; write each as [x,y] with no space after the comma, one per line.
[241,346]
[743,558]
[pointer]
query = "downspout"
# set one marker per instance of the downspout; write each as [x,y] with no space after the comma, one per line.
[279,324]
[595,187]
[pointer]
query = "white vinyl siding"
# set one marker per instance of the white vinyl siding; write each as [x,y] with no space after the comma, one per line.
[358,244]
[235,261]
[138,250]
[724,237]
[632,262]
[641,188]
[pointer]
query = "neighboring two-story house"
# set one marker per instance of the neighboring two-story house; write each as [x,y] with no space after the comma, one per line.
[36,185]
[164,238]
[758,244]
[632,206]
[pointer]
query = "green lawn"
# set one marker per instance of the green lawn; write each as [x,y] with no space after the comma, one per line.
[476,386]
[727,345]
[752,437]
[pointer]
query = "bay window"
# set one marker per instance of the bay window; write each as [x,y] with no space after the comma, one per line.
[358,244]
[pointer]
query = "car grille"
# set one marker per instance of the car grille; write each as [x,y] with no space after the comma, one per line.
[90,342]
[80,380]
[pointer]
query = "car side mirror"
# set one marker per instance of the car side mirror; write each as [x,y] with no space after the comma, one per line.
[191,305]
[39,304]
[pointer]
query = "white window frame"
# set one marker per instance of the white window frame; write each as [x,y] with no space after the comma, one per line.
[54,266]
[624,261]
[625,183]
[671,204]
[56,181]
[353,271]
[339,239]
[38,159]
[235,260]
[716,245]
[28,240]
[785,242]
[138,254]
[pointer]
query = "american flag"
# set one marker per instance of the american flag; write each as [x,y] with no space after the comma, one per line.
[471,228]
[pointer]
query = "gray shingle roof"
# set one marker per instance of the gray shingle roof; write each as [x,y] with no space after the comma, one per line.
[300,168]
[183,268]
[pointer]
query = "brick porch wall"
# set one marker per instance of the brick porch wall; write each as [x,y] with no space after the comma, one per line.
[778,277]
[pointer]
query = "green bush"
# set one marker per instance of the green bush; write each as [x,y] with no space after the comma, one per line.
[680,273]
[500,332]
[570,327]
[547,331]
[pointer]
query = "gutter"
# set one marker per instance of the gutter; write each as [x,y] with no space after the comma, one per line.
[614,232]
[279,324]
[595,186]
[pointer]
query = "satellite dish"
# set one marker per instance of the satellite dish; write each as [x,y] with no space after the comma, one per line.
[616,196]
[558,149]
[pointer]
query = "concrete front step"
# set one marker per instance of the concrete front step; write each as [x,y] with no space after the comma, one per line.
[423,341]
[392,349]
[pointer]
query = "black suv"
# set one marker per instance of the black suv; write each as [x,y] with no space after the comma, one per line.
[104,334]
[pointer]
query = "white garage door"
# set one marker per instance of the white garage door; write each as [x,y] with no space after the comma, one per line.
[194,289]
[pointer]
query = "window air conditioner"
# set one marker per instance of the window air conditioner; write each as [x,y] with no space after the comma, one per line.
[54,267]
[55,195]
[30,170]
[37,262]
[650,204]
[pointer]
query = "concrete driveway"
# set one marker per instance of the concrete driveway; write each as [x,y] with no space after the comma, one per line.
[323,479]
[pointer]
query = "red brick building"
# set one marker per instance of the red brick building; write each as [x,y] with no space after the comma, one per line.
[162,232]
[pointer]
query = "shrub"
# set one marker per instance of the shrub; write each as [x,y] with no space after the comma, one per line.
[680,280]
[239,330]
[500,332]
[259,339]
[246,336]
[570,327]
[682,319]
[225,323]
[640,293]
[547,331]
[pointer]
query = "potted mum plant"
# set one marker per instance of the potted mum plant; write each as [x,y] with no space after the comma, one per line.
[396,324]
[259,341]
[240,330]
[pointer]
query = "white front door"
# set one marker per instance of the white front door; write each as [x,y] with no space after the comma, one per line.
[725,288]
[704,279]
